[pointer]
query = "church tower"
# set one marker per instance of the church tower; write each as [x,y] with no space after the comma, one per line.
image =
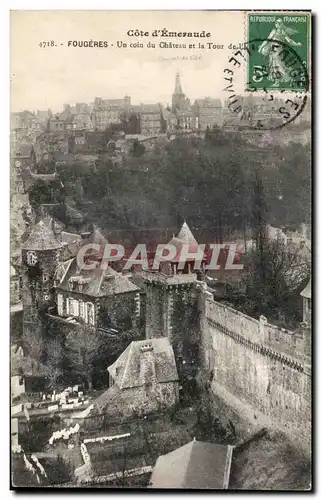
[40,257]
[171,297]
[178,97]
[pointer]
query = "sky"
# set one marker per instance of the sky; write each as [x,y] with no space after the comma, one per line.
[48,77]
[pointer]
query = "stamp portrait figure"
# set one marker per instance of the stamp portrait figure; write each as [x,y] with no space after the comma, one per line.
[278,71]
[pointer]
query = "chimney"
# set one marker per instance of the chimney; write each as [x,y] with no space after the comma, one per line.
[147,364]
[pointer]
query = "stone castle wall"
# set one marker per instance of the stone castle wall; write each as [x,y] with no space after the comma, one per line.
[256,368]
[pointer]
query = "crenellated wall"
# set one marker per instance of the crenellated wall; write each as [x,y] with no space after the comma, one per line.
[256,368]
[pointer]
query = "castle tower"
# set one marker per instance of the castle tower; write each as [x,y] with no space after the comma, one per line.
[178,97]
[171,297]
[40,257]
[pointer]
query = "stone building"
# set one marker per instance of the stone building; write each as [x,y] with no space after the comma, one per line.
[144,379]
[40,257]
[57,123]
[151,119]
[100,297]
[171,300]
[170,120]
[186,119]
[209,113]
[108,111]
[25,157]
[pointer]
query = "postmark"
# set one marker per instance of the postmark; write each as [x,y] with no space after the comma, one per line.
[265,107]
[272,65]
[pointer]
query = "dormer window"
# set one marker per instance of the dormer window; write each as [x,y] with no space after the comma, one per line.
[72,282]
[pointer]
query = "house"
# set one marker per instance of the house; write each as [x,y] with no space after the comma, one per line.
[107,111]
[83,121]
[209,112]
[78,143]
[25,157]
[17,385]
[57,123]
[100,297]
[196,465]
[307,303]
[186,119]
[151,119]
[171,120]
[143,379]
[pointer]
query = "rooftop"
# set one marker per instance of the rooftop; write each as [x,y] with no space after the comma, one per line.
[42,237]
[306,293]
[95,282]
[126,369]
[194,465]
[184,237]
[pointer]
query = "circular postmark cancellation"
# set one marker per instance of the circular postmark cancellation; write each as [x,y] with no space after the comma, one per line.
[277,85]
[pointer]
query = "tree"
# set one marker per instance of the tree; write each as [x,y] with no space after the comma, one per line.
[274,275]
[35,350]
[82,350]
[53,367]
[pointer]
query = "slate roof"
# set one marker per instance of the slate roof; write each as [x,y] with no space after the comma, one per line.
[69,237]
[114,102]
[97,282]
[306,293]
[194,465]
[150,108]
[42,237]
[185,236]
[208,102]
[126,369]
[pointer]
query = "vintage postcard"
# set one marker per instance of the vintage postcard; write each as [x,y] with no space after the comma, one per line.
[160,268]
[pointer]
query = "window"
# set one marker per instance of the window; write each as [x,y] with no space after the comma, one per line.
[71,307]
[309,304]
[90,312]
[75,307]
[60,304]
[45,278]
[81,309]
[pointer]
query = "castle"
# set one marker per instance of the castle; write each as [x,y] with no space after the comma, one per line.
[259,372]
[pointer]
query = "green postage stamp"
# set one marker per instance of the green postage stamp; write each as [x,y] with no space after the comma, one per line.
[278,50]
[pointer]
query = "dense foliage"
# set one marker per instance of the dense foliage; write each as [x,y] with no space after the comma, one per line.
[209,182]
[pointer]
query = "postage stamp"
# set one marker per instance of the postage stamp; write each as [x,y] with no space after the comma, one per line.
[282,59]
